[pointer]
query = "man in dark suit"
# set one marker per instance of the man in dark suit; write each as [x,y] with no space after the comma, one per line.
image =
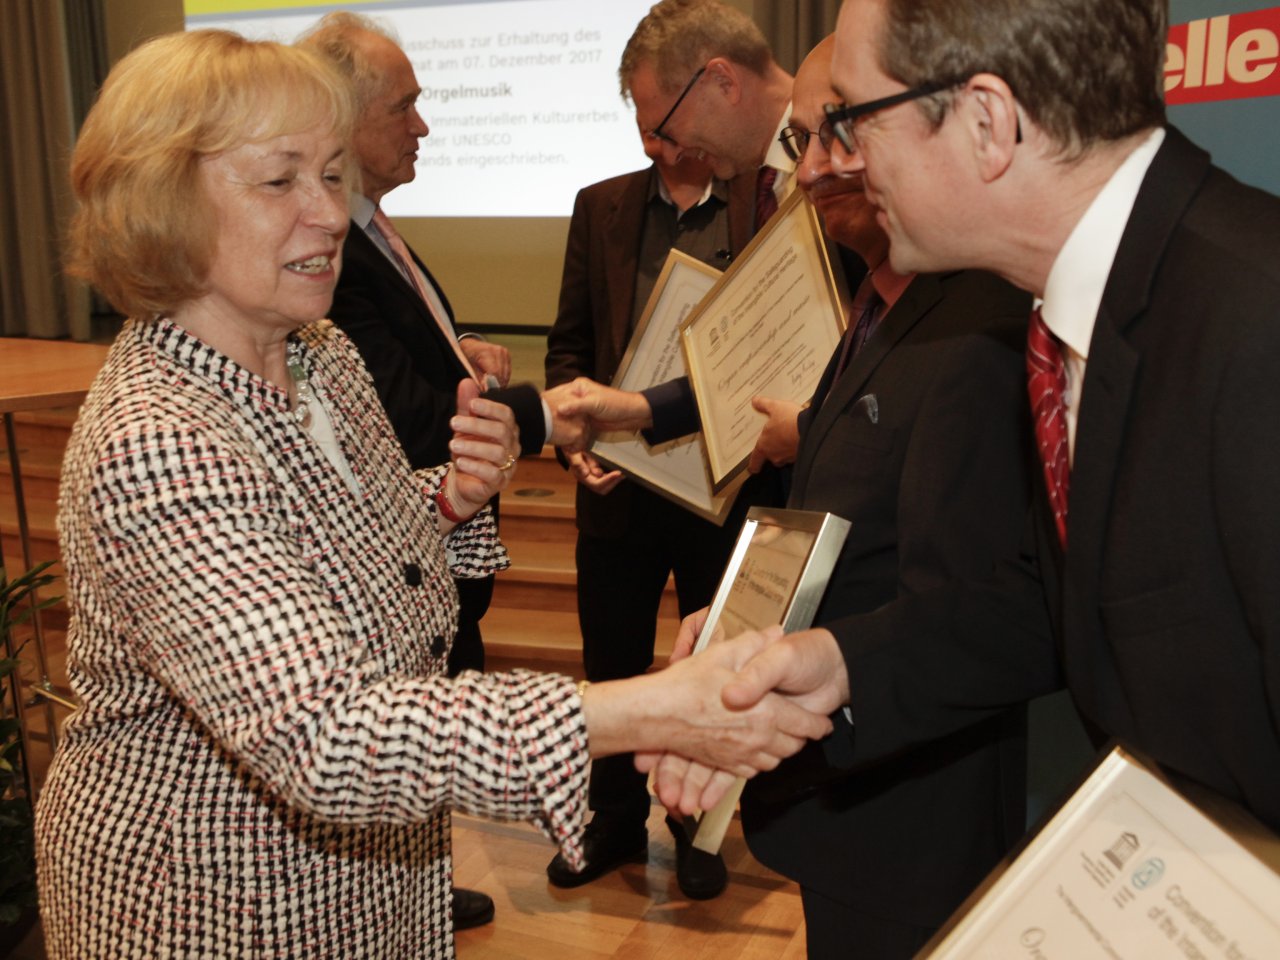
[630,539]
[915,435]
[399,318]
[1150,587]
[920,444]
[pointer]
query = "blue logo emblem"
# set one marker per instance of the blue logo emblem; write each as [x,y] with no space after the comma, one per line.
[1149,873]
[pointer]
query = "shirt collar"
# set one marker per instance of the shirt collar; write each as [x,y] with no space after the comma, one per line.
[658,188]
[1073,291]
[888,284]
[362,210]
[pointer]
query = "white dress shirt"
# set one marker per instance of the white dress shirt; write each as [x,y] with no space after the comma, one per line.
[1073,292]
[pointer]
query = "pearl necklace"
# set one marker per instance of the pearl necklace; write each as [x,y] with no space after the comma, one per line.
[302,385]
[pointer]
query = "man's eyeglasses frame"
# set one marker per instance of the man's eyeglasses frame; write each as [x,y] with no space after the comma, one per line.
[657,131]
[795,139]
[844,119]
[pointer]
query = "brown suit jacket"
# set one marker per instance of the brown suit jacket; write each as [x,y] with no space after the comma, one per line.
[597,296]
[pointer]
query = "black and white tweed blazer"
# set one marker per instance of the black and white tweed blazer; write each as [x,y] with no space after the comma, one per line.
[268,748]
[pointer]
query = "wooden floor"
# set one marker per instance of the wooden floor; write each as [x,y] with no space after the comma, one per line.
[636,912]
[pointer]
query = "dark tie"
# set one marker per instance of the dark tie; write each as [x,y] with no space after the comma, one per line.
[865,314]
[1047,388]
[766,200]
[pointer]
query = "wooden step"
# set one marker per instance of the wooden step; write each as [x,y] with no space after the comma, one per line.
[43,428]
[41,466]
[542,470]
[41,526]
[519,636]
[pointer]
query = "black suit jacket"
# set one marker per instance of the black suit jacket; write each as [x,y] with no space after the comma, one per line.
[1163,618]
[597,298]
[414,367]
[924,447]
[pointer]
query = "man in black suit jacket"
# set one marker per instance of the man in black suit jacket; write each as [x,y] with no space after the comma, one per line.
[409,344]
[1154,601]
[920,444]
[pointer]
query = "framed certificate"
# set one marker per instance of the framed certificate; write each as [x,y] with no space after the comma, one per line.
[676,469]
[777,574]
[1129,867]
[768,326]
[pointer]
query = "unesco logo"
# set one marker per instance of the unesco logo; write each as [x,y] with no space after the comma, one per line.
[1149,873]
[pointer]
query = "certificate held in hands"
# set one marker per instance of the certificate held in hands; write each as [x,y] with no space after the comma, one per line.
[767,327]
[777,574]
[675,469]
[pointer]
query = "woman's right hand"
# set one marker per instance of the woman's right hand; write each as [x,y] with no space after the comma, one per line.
[681,710]
[485,446]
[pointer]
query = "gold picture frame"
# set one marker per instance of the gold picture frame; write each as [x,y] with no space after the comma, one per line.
[675,469]
[768,326]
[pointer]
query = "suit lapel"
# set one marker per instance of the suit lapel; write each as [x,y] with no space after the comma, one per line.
[623,228]
[360,249]
[917,300]
[1113,367]
[742,204]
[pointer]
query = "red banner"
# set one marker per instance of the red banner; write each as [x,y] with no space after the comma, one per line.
[1228,57]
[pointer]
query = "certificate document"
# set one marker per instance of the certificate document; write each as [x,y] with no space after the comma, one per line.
[676,469]
[777,574]
[768,326]
[1129,869]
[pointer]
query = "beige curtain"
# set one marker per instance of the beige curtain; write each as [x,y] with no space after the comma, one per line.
[794,27]
[48,68]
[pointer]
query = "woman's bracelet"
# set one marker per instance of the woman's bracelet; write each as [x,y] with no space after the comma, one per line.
[445,506]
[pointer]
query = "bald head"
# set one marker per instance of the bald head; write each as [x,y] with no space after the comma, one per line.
[847,216]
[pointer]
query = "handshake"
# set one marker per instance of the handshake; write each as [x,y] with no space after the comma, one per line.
[582,408]
[739,707]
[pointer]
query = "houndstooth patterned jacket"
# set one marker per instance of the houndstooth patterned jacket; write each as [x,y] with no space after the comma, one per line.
[267,746]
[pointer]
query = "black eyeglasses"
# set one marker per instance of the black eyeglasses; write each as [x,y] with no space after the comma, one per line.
[657,131]
[844,119]
[795,139]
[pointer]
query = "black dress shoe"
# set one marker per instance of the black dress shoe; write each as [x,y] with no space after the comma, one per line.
[701,875]
[471,908]
[604,847]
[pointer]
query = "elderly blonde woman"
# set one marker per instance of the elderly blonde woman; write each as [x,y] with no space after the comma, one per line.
[259,586]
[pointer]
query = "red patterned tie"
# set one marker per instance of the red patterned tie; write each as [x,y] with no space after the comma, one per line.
[1047,388]
[766,199]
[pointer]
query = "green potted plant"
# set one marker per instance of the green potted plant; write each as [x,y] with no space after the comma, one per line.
[17,842]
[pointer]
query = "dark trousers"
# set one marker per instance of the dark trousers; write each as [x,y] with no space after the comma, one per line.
[837,931]
[467,652]
[620,584]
